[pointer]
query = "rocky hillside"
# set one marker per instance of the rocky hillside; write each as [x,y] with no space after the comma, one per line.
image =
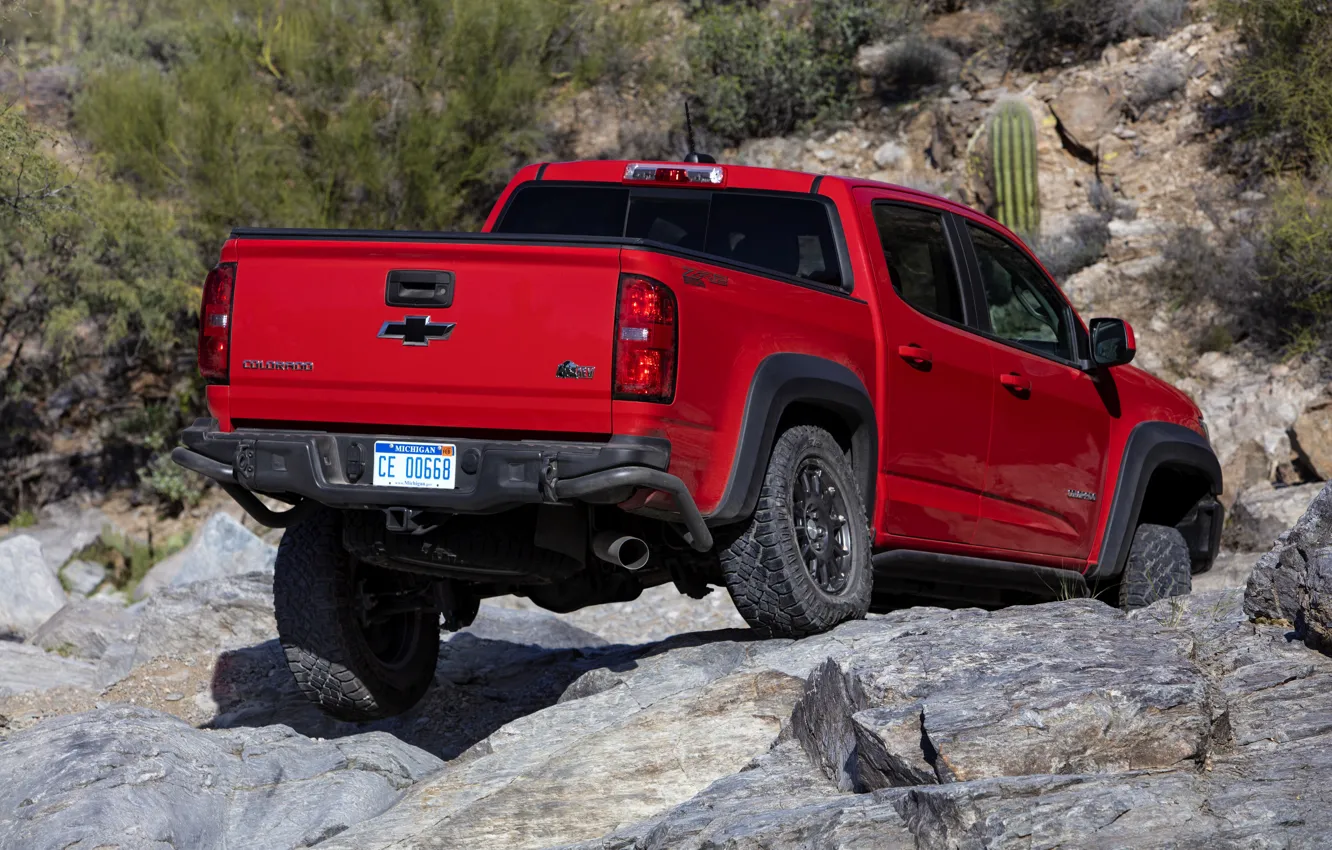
[1135,195]
[174,723]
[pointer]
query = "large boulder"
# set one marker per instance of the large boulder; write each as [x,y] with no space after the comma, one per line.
[202,618]
[1086,114]
[222,547]
[31,591]
[130,777]
[1262,514]
[85,628]
[936,705]
[1312,437]
[65,528]
[1282,585]
[27,668]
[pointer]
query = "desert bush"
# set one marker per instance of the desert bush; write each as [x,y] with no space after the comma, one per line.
[1075,247]
[1163,78]
[756,74]
[1273,280]
[913,62]
[764,70]
[407,114]
[174,488]
[1041,33]
[1294,304]
[1282,83]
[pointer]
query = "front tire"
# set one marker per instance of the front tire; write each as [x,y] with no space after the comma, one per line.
[802,564]
[1159,567]
[352,663]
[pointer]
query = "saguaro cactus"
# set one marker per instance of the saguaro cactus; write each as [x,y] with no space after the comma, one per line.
[1017,199]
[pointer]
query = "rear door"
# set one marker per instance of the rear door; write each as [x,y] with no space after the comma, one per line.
[938,373]
[459,335]
[1051,425]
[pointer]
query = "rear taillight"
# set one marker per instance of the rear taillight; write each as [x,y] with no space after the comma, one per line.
[646,340]
[215,322]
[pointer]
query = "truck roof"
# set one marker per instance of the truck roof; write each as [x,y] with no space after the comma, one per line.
[737,177]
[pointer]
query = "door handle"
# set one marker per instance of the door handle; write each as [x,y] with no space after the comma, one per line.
[419,289]
[1017,383]
[915,353]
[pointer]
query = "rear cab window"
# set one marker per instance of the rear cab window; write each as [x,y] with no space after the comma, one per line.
[777,233]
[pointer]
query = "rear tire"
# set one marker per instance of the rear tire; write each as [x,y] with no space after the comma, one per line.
[802,565]
[352,665]
[1159,567]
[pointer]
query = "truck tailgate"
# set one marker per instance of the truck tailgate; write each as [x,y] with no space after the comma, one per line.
[314,339]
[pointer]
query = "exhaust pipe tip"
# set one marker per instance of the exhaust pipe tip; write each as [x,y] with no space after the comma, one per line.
[622,550]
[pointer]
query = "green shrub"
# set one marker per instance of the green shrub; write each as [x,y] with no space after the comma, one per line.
[765,70]
[1273,279]
[1283,80]
[1042,33]
[129,559]
[1295,267]
[398,114]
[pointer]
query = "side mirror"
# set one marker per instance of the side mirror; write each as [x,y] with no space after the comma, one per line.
[1112,342]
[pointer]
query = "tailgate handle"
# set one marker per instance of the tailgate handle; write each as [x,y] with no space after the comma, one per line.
[419,289]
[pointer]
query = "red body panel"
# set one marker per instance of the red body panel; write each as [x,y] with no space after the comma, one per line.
[519,312]
[980,443]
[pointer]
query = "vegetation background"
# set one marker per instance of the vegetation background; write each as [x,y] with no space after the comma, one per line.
[188,117]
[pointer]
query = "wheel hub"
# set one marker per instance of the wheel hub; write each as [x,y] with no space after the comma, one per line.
[821,527]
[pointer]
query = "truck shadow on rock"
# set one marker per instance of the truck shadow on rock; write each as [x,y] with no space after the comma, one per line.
[513,664]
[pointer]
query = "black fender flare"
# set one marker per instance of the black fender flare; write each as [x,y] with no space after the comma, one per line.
[780,381]
[1150,446]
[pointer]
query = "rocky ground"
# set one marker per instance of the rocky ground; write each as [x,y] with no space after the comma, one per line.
[1200,722]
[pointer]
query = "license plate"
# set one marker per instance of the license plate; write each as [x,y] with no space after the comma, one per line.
[429,465]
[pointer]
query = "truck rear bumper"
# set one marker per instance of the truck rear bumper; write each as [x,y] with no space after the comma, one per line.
[492,475]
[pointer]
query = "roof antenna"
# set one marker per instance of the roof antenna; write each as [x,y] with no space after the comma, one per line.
[694,155]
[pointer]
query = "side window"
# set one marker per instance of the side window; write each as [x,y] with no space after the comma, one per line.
[1025,308]
[790,236]
[919,261]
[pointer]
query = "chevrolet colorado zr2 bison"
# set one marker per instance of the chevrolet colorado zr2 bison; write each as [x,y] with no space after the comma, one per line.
[826,395]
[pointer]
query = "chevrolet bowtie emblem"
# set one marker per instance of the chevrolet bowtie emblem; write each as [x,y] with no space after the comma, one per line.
[416,330]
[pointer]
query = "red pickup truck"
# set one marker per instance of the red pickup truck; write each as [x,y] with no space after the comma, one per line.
[824,394]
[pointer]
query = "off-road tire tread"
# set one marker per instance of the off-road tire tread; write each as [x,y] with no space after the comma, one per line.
[770,586]
[1158,567]
[312,598]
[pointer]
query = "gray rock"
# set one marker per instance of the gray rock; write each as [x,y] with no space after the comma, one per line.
[1265,799]
[32,593]
[27,668]
[133,777]
[580,769]
[530,628]
[1230,569]
[1273,591]
[940,704]
[889,154]
[84,628]
[201,618]
[222,547]
[1263,513]
[64,529]
[82,577]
